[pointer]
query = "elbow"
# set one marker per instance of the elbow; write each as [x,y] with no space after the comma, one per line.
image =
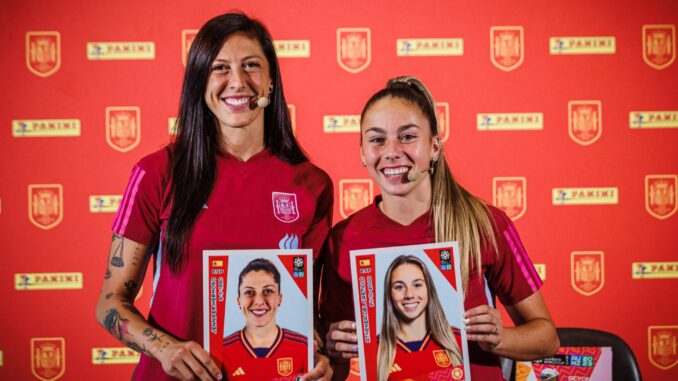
[552,344]
[100,312]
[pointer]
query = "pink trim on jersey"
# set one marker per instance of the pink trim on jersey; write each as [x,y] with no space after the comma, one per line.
[523,260]
[130,197]
[124,200]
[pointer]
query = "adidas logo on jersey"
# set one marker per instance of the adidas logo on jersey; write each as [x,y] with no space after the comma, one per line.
[238,372]
[396,368]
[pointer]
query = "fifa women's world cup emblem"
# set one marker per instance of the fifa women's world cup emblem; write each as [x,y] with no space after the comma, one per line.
[45,205]
[354,194]
[507,47]
[48,358]
[588,271]
[661,192]
[663,346]
[123,127]
[585,121]
[659,45]
[353,49]
[510,195]
[43,52]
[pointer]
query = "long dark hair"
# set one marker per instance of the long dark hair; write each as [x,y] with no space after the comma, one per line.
[196,145]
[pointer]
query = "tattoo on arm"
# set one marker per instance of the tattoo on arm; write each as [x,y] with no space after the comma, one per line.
[129,307]
[151,334]
[109,295]
[116,259]
[108,273]
[116,324]
[130,285]
[137,347]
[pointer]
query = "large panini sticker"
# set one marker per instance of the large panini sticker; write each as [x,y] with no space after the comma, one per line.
[45,205]
[43,52]
[354,194]
[661,192]
[585,121]
[443,117]
[48,358]
[510,195]
[663,346]
[123,127]
[187,37]
[659,45]
[507,47]
[588,271]
[353,49]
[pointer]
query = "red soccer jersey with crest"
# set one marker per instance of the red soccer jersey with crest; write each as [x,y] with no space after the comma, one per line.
[284,360]
[507,274]
[263,203]
[428,362]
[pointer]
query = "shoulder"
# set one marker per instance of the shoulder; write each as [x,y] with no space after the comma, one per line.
[314,174]
[156,160]
[356,222]
[232,339]
[291,336]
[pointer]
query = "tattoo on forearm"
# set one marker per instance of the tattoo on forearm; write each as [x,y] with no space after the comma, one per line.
[137,347]
[129,307]
[109,295]
[116,324]
[130,285]
[151,334]
[116,259]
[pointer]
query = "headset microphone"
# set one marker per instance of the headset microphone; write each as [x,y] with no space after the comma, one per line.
[413,175]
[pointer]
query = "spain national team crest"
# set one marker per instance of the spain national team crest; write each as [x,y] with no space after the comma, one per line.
[661,192]
[585,121]
[285,207]
[353,49]
[187,37]
[123,127]
[45,205]
[285,366]
[510,195]
[588,271]
[663,346]
[48,358]
[507,47]
[43,52]
[441,358]
[659,45]
[443,114]
[354,194]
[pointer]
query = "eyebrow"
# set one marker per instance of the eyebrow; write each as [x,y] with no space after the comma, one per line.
[243,59]
[400,129]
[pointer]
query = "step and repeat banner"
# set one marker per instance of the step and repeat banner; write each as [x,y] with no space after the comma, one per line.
[562,113]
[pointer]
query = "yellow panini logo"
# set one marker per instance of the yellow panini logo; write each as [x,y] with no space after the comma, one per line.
[43,52]
[654,270]
[662,344]
[104,203]
[341,123]
[443,117]
[172,126]
[588,271]
[354,49]
[45,128]
[292,48]
[653,119]
[583,45]
[354,194]
[659,45]
[48,358]
[116,355]
[661,194]
[507,47]
[45,205]
[541,270]
[510,121]
[187,37]
[48,281]
[293,117]
[123,127]
[143,50]
[585,121]
[586,196]
[510,195]
[419,47]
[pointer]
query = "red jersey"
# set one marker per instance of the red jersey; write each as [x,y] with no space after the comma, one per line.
[428,362]
[263,203]
[507,274]
[284,360]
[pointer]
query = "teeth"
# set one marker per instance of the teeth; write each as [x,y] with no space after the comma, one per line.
[258,312]
[395,171]
[236,101]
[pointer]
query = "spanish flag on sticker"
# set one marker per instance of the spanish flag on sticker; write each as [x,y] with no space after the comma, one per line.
[217,263]
[364,262]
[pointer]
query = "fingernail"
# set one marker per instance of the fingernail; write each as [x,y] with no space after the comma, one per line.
[353,326]
[468,328]
[220,376]
[466,321]
[355,348]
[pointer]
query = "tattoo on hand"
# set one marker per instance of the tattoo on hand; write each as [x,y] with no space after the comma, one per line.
[116,324]
[117,260]
[152,335]
[130,285]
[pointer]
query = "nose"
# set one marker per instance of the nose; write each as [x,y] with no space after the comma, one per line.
[408,293]
[392,149]
[258,299]
[238,78]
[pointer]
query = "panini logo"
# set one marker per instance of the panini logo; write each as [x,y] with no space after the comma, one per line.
[143,50]
[48,281]
[341,123]
[45,128]
[109,356]
[510,121]
[172,126]
[654,270]
[292,48]
[421,47]
[586,196]
[541,270]
[104,203]
[583,45]
[653,119]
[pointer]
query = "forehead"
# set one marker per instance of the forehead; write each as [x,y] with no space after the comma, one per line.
[241,44]
[259,277]
[394,111]
[406,271]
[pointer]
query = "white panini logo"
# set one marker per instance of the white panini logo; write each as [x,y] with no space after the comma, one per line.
[45,128]
[422,47]
[104,203]
[582,45]
[510,121]
[114,355]
[48,281]
[341,123]
[292,48]
[653,119]
[143,50]
[586,196]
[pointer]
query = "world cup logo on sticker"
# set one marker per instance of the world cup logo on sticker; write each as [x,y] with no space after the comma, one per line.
[510,195]
[354,194]
[457,373]
[587,272]
[43,52]
[285,366]
[48,358]
[659,45]
[285,207]
[663,346]
[661,192]
[441,358]
[506,47]
[45,205]
[585,121]
[353,49]
[187,37]
[123,127]
[443,116]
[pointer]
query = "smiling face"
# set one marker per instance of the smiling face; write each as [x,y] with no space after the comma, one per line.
[409,292]
[238,75]
[259,298]
[396,138]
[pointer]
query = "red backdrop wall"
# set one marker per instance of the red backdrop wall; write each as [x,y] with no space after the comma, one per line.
[610,263]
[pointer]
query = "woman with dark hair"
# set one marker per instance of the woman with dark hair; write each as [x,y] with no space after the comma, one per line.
[421,202]
[234,178]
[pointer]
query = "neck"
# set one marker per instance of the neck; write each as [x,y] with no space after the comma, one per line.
[405,209]
[413,330]
[261,337]
[243,142]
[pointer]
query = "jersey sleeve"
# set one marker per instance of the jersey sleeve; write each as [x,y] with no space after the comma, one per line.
[322,219]
[512,276]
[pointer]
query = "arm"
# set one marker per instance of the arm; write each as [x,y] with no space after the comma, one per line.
[115,311]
